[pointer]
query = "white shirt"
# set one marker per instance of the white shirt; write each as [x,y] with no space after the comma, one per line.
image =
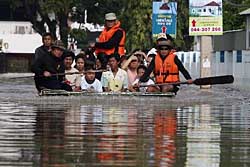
[74,79]
[143,89]
[117,82]
[96,86]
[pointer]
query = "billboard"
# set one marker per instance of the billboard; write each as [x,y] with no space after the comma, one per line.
[164,18]
[205,17]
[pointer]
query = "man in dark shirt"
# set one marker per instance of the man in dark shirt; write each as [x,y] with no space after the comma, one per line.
[47,40]
[47,67]
[166,66]
[43,50]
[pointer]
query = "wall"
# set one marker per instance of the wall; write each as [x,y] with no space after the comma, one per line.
[15,62]
[191,61]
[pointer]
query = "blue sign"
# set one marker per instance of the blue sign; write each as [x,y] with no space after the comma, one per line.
[164,18]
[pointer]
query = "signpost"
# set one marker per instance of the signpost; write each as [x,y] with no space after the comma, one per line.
[205,20]
[164,18]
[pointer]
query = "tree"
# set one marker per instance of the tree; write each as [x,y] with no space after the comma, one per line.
[136,20]
[183,40]
[232,20]
[49,12]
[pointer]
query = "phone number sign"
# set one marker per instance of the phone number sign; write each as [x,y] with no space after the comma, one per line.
[205,29]
[205,18]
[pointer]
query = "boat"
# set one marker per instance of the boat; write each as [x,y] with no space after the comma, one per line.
[49,92]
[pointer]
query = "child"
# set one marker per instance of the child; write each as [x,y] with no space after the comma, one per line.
[74,80]
[134,87]
[89,82]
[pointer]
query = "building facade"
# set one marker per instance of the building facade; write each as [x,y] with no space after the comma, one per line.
[18,42]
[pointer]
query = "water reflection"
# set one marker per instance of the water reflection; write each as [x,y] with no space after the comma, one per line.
[135,135]
[165,126]
[203,138]
[16,135]
[50,135]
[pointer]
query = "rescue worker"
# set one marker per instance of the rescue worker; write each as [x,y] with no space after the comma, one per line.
[111,40]
[166,66]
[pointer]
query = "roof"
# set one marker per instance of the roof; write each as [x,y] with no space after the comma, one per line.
[245,12]
[212,4]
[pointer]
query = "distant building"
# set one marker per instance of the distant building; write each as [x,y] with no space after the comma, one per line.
[19,41]
[210,9]
[19,37]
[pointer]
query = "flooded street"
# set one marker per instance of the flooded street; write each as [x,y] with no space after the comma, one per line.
[197,128]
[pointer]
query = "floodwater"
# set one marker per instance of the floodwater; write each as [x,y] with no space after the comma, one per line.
[197,128]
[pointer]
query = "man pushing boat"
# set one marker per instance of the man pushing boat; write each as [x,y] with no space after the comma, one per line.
[166,66]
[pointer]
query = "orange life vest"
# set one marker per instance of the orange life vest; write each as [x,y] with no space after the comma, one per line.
[106,35]
[166,70]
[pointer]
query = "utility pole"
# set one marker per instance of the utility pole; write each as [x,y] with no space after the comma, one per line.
[2,58]
[205,58]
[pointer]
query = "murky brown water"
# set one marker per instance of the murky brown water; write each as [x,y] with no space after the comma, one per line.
[194,129]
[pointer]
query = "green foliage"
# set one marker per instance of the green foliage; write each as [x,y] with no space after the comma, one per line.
[136,20]
[231,18]
[183,40]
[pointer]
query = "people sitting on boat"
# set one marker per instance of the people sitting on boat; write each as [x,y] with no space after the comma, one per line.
[166,66]
[72,76]
[89,82]
[80,63]
[144,86]
[131,66]
[116,79]
[48,68]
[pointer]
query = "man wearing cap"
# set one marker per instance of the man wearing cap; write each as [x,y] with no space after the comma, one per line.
[166,66]
[46,68]
[111,40]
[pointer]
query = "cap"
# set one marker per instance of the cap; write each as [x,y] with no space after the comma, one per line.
[165,43]
[110,16]
[58,44]
[162,36]
[164,40]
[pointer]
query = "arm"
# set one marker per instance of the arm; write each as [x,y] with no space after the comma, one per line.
[125,65]
[125,82]
[112,42]
[78,83]
[182,69]
[104,82]
[149,70]
[36,67]
[99,86]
